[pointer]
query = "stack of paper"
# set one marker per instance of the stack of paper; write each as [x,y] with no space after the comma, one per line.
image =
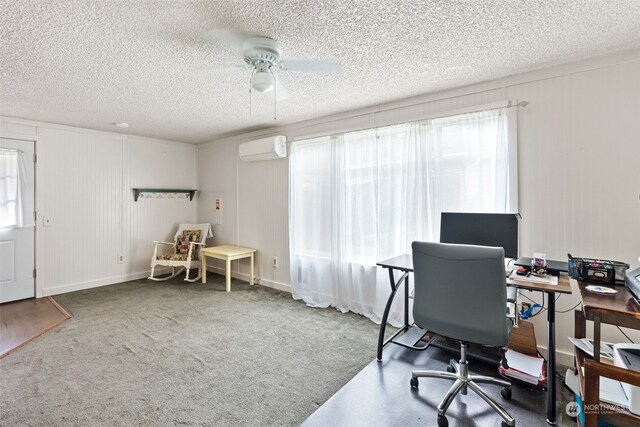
[586,345]
[522,367]
[547,279]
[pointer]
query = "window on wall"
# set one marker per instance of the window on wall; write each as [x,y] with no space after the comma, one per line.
[360,197]
[10,204]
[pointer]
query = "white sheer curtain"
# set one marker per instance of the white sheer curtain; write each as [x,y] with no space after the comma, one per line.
[361,197]
[13,182]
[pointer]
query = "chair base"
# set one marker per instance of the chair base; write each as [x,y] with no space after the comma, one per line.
[173,274]
[462,382]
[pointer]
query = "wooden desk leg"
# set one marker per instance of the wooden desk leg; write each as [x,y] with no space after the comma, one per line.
[204,268]
[591,398]
[251,278]
[228,275]
[580,324]
[596,337]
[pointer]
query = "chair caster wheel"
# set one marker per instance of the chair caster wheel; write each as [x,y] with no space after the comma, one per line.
[414,382]
[442,421]
[451,369]
[506,393]
[504,424]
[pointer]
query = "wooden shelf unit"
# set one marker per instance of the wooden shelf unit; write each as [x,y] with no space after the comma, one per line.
[620,310]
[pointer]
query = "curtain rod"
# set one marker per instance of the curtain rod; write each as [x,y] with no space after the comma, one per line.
[12,150]
[422,117]
[519,104]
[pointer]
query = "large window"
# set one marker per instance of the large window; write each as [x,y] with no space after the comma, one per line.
[359,197]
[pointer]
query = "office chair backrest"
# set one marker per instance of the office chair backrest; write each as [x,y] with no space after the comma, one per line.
[460,292]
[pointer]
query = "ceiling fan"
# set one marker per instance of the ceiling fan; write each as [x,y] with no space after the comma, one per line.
[262,55]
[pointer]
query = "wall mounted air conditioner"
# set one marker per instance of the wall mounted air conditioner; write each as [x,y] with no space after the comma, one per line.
[273,147]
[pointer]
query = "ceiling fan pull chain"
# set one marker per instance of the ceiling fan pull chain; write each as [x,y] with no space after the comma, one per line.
[275,89]
[250,97]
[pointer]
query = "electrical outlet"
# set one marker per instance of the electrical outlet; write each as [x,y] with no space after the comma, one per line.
[274,261]
[120,259]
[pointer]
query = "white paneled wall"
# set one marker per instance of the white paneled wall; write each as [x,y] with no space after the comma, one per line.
[254,212]
[263,214]
[83,185]
[153,163]
[218,178]
[579,179]
[80,177]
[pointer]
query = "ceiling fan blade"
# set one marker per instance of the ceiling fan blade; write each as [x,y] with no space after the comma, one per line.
[281,90]
[222,71]
[227,37]
[318,66]
[231,69]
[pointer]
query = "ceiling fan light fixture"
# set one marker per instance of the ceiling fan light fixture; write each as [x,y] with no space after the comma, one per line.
[262,81]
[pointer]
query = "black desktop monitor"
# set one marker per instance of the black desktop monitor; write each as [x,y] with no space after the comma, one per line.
[483,229]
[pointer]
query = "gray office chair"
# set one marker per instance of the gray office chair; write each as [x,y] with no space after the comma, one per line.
[460,293]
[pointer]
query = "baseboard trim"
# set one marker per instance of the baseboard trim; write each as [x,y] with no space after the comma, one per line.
[79,286]
[562,358]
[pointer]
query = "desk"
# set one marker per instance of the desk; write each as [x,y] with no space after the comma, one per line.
[563,287]
[619,309]
[404,264]
[227,254]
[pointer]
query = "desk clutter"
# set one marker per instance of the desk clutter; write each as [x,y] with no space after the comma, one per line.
[522,367]
[546,278]
[520,360]
[618,393]
[591,270]
[608,375]
[604,290]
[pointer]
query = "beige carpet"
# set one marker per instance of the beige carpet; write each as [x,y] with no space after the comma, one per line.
[176,353]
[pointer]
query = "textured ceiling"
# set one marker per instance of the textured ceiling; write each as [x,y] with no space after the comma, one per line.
[89,63]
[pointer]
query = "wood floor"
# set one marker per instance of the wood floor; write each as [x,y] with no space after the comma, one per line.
[22,321]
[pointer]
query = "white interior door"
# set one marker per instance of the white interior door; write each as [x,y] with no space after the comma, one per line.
[17,244]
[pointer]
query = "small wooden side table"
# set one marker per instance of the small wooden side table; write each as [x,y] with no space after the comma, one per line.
[227,254]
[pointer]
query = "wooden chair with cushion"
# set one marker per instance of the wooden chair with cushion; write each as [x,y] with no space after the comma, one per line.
[185,251]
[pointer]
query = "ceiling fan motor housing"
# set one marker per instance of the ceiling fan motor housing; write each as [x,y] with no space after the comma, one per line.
[261,50]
